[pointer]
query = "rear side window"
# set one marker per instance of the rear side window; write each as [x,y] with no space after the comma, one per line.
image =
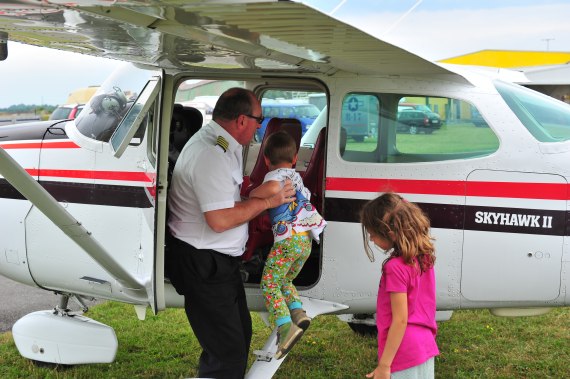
[547,119]
[396,128]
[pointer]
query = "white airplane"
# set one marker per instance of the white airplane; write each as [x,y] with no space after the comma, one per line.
[84,201]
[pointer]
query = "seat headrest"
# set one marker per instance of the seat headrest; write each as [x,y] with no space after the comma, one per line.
[185,122]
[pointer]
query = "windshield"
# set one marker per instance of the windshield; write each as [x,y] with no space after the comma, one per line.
[111,102]
[547,119]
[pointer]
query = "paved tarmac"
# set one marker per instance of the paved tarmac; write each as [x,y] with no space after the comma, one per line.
[17,300]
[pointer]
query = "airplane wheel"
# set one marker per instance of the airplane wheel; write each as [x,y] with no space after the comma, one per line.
[363,329]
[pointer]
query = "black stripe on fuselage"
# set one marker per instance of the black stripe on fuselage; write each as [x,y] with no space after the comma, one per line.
[86,193]
[7,191]
[471,217]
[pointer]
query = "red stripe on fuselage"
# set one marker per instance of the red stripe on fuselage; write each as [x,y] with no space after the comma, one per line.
[101,175]
[40,145]
[546,191]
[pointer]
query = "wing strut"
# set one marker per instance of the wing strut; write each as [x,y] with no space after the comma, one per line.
[39,197]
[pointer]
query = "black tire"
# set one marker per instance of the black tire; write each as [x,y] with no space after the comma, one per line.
[363,329]
[358,138]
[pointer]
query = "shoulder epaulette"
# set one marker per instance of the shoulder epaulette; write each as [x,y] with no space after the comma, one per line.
[223,143]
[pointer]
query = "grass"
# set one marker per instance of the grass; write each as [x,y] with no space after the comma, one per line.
[473,344]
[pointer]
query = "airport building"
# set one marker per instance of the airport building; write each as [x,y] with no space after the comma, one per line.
[547,71]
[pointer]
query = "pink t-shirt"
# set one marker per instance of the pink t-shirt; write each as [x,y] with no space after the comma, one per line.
[418,344]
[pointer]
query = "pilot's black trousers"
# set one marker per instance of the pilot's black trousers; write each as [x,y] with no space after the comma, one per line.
[215,303]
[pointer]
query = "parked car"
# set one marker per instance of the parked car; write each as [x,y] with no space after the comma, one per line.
[414,122]
[66,112]
[418,107]
[304,112]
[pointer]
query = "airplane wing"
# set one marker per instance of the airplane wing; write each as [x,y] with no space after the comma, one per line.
[231,34]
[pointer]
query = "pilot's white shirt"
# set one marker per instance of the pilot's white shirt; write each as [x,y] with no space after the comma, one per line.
[207,176]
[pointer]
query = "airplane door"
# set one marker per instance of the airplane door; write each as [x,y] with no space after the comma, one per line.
[112,196]
[513,238]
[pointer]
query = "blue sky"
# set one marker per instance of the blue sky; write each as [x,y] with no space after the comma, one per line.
[434,29]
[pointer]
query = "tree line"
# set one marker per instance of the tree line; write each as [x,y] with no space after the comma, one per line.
[29,108]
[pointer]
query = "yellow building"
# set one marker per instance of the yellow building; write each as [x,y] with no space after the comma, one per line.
[511,59]
[548,72]
[81,95]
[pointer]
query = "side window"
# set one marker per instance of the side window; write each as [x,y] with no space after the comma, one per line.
[411,128]
[547,119]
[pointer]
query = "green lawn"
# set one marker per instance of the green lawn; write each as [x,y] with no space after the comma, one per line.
[473,344]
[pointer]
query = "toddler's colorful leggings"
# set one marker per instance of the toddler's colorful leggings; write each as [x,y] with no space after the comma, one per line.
[283,264]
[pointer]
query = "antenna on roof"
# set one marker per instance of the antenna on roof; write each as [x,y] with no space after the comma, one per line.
[547,40]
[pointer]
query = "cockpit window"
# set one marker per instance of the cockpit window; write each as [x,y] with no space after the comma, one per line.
[547,119]
[112,101]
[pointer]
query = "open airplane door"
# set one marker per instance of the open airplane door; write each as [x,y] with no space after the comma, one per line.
[103,172]
[91,225]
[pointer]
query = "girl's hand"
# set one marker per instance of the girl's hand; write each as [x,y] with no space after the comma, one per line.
[380,372]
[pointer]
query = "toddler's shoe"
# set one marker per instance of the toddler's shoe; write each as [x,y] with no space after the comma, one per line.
[300,318]
[287,335]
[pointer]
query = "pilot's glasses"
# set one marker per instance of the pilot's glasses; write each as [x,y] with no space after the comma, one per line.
[258,119]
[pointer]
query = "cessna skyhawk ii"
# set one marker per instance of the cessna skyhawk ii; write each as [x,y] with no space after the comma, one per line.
[84,201]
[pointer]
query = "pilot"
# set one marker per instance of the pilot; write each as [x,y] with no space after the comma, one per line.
[208,223]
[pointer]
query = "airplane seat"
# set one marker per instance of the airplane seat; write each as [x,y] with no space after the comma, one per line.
[185,122]
[290,125]
[260,233]
[313,176]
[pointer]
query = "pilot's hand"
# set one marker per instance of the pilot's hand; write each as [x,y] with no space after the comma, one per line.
[286,195]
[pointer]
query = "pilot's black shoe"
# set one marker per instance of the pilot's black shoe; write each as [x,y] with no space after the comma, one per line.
[300,318]
[287,335]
